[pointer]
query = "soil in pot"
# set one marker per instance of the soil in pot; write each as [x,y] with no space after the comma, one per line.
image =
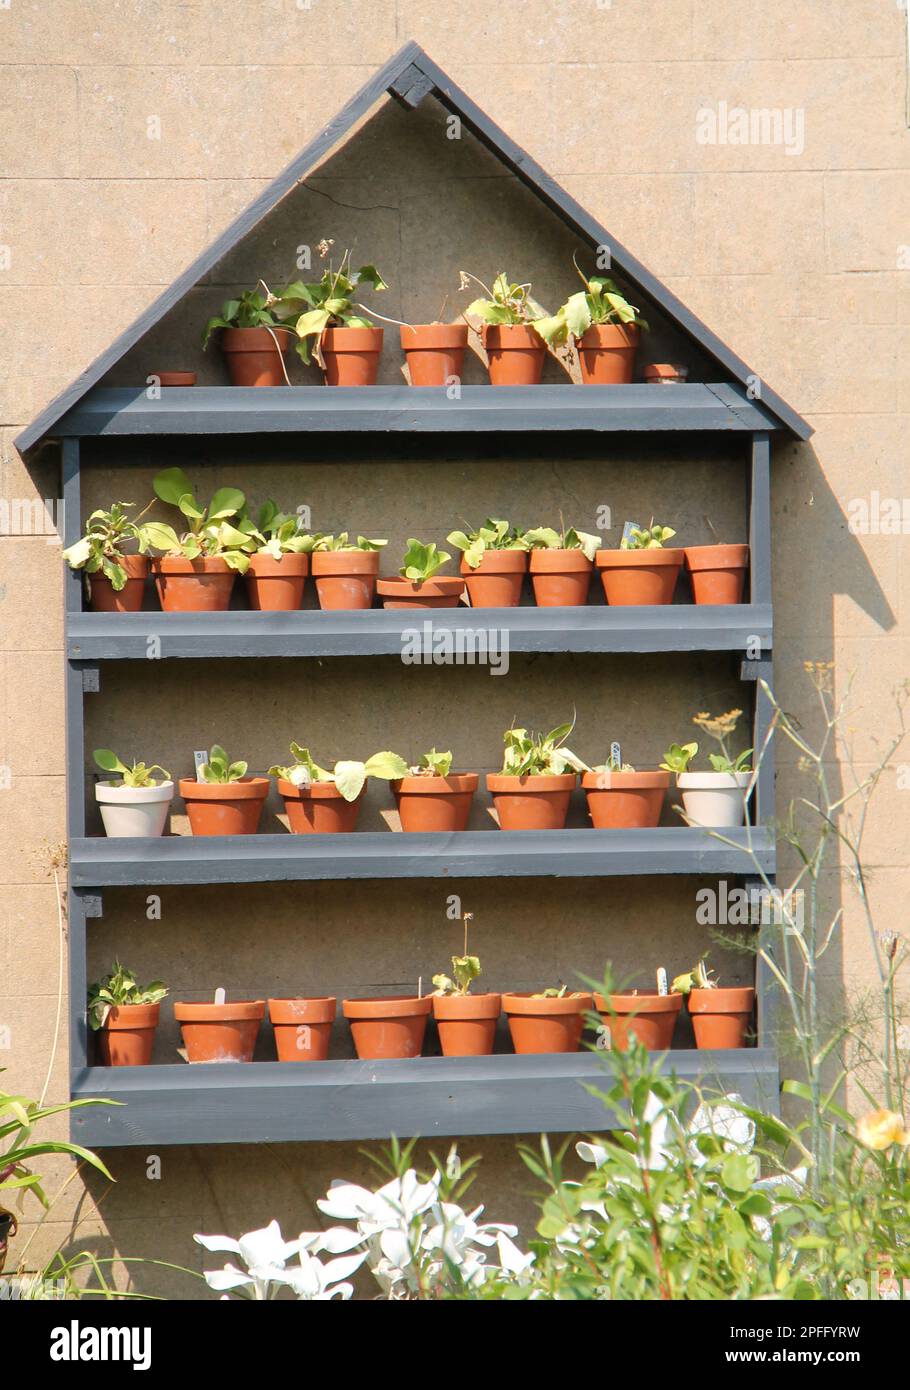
[637,577]
[128,1035]
[546,1025]
[434,352]
[104,598]
[133,812]
[303,1028]
[720,1017]
[435,803]
[319,809]
[466,1023]
[625,800]
[497,580]
[606,353]
[531,803]
[389,1027]
[193,586]
[561,578]
[345,578]
[351,356]
[220,1032]
[432,593]
[715,799]
[276,586]
[224,808]
[641,1014]
[515,354]
[718,572]
[253,356]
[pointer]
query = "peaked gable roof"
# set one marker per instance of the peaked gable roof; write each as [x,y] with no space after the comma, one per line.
[409,77]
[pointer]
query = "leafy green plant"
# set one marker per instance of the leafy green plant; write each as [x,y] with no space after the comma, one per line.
[566,538]
[535,755]
[552,992]
[220,770]
[465,969]
[275,532]
[432,764]
[18,1119]
[422,561]
[699,977]
[650,537]
[601,301]
[329,302]
[209,532]
[504,303]
[136,775]
[678,757]
[117,988]
[341,542]
[349,777]
[102,546]
[256,308]
[720,727]
[494,534]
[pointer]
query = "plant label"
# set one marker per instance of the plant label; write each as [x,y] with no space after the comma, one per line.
[628,528]
[616,754]
[662,987]
[200,758]
[220,995]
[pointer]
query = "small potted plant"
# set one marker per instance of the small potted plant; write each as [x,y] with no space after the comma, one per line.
[494,562]
[562,563]
[303,1028]
[648,1015]
[125,1015]
[219,1031]
[279,559]
[641,571]
[345,571]
[391,1026]
[515,350]
[320,801]
[466,1022]
[226,801]
[114,576]
[552,1020]
[605,327]
[196,572]
[619,798]
[345,343]
[417,585]
[255,335]
[138,804]
[716,798]
[538,777]
[718,571]
[434,351]
[434,798]
[720,1017]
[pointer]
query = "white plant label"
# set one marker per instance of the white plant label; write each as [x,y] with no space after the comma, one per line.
[200,758]
[662,987]
[220,995]
[616,755]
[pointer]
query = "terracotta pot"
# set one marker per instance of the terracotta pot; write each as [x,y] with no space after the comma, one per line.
[606,353]
[175,378]
[303,1028]
[665,374]
[220,1032]
[224,808]
[466,1023]
[531,803]
[193,586]
[351,356]
[104,598]
[546,1025]
[345,578]
[432,593]
[515,354]
[633,577]
[389,1027]
[276,586]
[319,809]
[561,578]
[720,1017]
[625,800]
[434,352]
[252,357]
[497,580]
[649,1017]
[128,1035]
[715,799]
[718,572]
[435,803]
[133,812]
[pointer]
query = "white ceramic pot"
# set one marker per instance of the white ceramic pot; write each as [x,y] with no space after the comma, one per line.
[133,811]
[715,799]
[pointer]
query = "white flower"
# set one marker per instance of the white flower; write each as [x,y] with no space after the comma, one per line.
[316,1282]
[726,1122]
[264,1252]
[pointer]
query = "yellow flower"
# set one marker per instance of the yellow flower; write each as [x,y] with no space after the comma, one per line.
[882,1128]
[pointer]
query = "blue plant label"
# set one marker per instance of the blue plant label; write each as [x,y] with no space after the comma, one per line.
[628,528]
[616,755]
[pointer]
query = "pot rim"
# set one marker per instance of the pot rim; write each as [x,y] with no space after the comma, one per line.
[238,1011]
[436,785]
[447,584]
[343,339]
[523,1002]
[110,795]
[136,566]
[241,339]
[729,556]
[713,781]
[387,1006]
[651,1002]
[329,563]
[318,791]
[625,781]
[531,782]
[247,789]
[560,562]
[732,999]
[610,334]
[638,559]
[290,563]
[453,1007]
[319,1008]
[510,560]
[452,335]
[178,564]
[511,335]
[129,1017]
